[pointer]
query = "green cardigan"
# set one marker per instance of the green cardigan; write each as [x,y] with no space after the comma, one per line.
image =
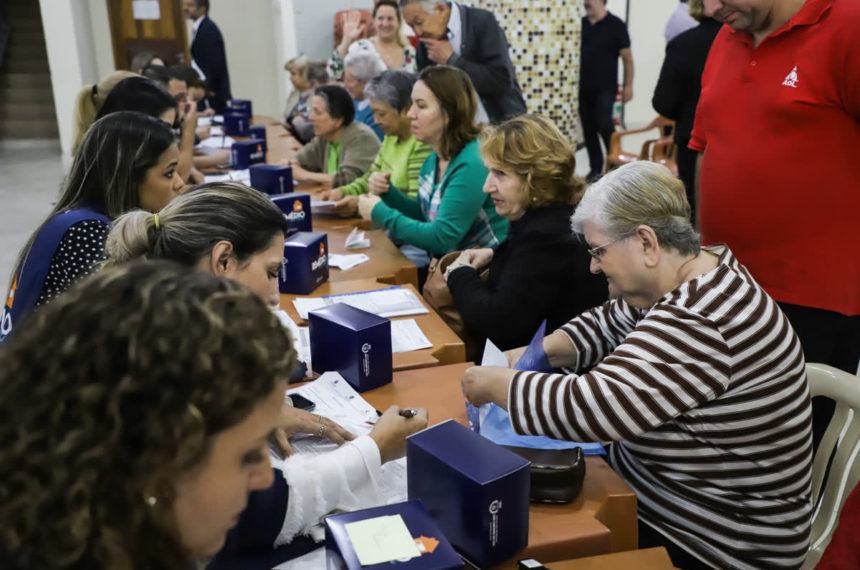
[402,158]
[464,216]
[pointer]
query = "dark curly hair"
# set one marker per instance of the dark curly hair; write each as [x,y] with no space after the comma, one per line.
[110,392]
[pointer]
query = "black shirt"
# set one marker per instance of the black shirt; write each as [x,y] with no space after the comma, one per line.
[540,272]
[602,43]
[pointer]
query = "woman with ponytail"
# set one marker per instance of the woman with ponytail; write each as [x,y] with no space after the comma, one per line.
[541,270]
[89,102]
[233,231]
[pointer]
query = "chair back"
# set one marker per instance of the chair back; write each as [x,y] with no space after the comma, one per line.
[842,441]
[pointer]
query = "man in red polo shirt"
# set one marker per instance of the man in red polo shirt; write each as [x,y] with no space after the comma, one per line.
[778,129]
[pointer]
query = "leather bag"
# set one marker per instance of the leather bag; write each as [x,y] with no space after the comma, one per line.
[556,474]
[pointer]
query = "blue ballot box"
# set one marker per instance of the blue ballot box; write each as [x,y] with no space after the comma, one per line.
[296,207]
[246,153]
[436,551]
[475,490]
[355,343]
[236,124]
[258,133]
[240,106]
[272,179]
[305,263]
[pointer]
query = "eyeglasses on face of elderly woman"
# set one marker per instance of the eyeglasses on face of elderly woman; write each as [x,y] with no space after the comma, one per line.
[597,252]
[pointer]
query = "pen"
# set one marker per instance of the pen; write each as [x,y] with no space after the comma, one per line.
[409,413]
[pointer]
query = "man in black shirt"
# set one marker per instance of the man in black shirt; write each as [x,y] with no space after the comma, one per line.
[604,39]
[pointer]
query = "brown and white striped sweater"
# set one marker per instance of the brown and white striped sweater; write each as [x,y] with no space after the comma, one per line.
[705,395]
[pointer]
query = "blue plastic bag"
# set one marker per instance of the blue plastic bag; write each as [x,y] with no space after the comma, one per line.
[494,423]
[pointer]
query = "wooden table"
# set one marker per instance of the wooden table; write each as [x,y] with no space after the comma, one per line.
[601,520]
[447,347]
[646,559]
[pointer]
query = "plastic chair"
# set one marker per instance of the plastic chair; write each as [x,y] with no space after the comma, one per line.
[665,152]
[616,156]
[843,436]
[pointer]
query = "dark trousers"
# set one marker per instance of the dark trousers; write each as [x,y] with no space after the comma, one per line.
[650,538]
[595,112]
[687,174]
[830,338]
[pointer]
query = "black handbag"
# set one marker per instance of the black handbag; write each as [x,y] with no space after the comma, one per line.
[556,474]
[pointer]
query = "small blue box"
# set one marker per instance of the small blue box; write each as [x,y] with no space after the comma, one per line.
[258,133]
[246,153]
[305,263]
[355,343]
[236,124]
[475,490]
[296,207]
[340,553]
[272,179]
[240,106]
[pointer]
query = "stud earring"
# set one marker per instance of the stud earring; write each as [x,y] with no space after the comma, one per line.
[151,500]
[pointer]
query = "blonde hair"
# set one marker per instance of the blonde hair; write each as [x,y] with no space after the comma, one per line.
[640,193]
[298,65]
[90,99]
[533,148]
[188,228]
[696,9]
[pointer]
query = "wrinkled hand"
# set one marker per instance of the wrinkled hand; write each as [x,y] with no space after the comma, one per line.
[294,421]
[378,182]
[366,203]
[477,258]
[346,207]
[439,51]
[627,93]
[483,384]
[514,355]
[392,429]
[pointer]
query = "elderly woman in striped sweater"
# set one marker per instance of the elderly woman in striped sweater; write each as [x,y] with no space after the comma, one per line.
[693,373]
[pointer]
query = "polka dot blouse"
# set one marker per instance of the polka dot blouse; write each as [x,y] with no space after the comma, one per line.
[78,254]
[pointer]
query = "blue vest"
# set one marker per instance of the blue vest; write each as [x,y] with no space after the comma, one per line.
[30,275]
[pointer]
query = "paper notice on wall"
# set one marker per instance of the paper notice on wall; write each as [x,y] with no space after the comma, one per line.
[146,10]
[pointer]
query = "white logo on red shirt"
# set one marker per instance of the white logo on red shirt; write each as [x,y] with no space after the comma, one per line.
[791,78]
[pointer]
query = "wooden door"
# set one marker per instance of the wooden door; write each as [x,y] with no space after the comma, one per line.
[148,25]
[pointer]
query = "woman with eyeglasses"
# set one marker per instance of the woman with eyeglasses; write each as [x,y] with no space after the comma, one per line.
[541,270]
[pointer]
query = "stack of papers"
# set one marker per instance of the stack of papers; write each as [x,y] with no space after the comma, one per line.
[389,302]
[357,240]
[322,206]
[203,121]
[407,336]
[345,262]
[338,401]
[243,176]
[216,143]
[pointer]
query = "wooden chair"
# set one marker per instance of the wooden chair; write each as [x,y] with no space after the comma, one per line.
[617,156]
[842,440]
[665,152]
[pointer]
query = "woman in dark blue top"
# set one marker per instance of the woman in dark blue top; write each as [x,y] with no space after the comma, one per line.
[542,270]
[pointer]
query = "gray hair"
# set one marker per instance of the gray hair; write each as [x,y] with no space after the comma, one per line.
[192,223]
[365,65]
[640,193]
[428,5]
[393,88]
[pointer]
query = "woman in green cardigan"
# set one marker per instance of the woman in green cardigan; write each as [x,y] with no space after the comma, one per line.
[451,211]
[401,155]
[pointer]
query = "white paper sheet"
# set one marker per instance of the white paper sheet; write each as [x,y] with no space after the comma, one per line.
[338,401]
[216,131]
[383,539]
[407,336]
[203,121]
[146,10]
[389,302]
[322,206]
[216,143]
[301,338]
[357,240]
[348,261]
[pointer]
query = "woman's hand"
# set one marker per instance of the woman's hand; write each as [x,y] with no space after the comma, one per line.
[484,384]
[352,29]
[294,421]
[392,429]
[300,174]
[347,207]
[477,258]
[366,203]
[334,194]
[378,182]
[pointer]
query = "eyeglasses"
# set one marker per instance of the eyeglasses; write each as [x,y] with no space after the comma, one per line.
[597,252]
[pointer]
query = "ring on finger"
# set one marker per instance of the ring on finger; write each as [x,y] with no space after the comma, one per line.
[322,430]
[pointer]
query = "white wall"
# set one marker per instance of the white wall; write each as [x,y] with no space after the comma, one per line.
[645,25]
[71,59]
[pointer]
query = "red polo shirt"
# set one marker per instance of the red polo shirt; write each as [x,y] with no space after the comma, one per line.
[779,126]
